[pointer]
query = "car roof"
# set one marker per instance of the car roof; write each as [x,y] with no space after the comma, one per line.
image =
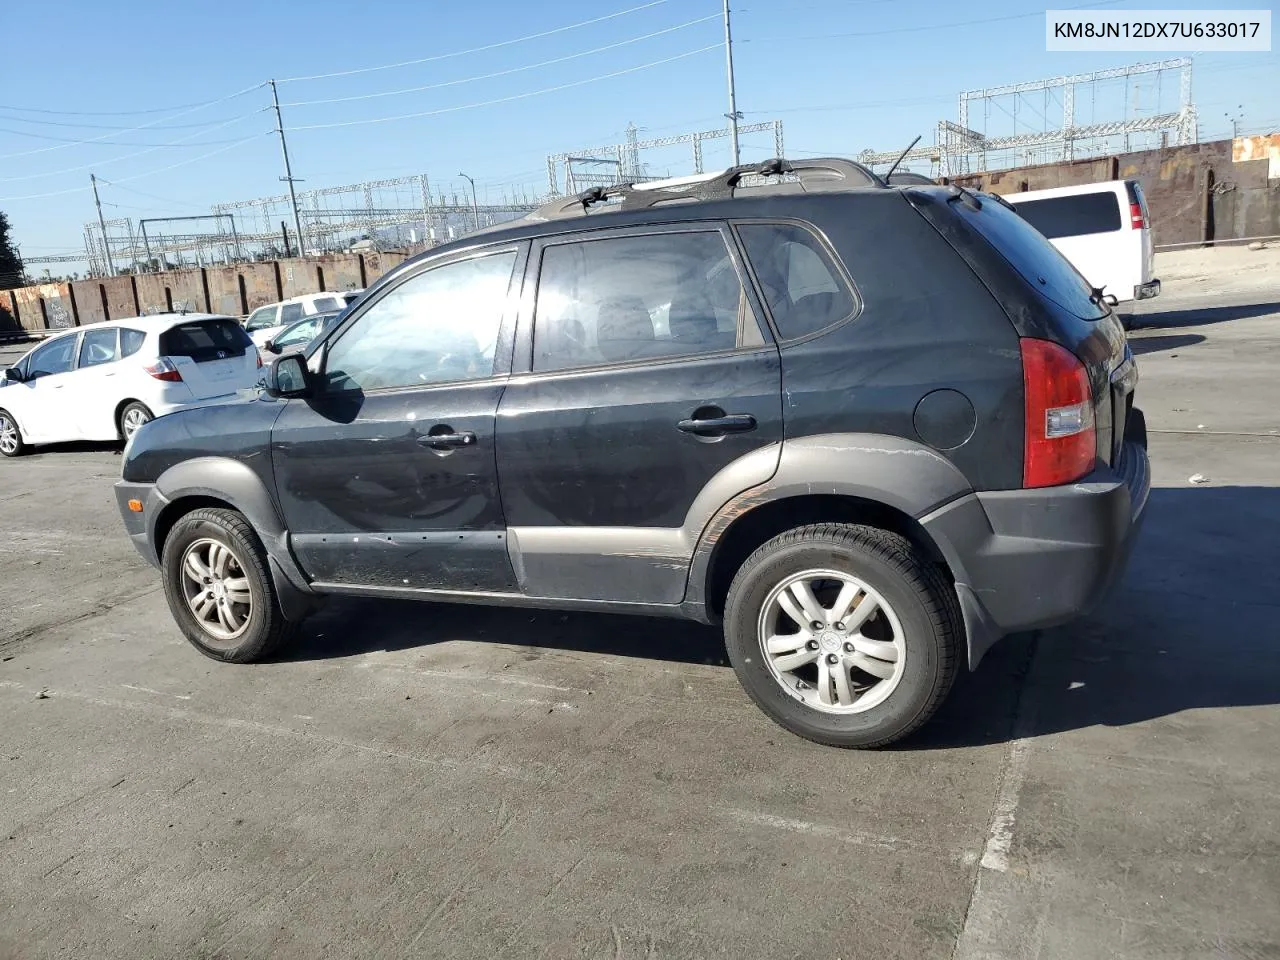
[148,323]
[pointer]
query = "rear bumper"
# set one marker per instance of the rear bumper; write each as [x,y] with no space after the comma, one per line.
[1146,291]
[1030,559]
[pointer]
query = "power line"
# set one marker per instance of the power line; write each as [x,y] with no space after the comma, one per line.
[105,143]
[120,113]
[503,73]
[99,163]
[518,96]
[111,127]
[136,176]
[153,196]
[489,46]
[931,26]
[153,123]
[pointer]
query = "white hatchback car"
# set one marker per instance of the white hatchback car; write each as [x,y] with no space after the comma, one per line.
[104,381]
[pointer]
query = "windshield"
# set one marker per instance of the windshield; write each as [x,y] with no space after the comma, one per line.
[1038,261]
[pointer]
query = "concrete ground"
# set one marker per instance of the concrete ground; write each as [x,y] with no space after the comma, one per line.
[413,780]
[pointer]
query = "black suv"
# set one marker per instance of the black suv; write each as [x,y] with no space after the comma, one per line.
[870,428]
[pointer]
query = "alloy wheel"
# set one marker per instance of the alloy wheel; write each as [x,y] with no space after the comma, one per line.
[832,641]
[216,589]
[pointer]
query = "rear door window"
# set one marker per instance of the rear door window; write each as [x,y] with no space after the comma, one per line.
[1029,252]
[131,341]
[646,297]
[1073,216]
[204,340]
[801,285]
[98,346]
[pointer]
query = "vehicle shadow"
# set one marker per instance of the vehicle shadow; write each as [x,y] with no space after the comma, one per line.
[1191,626]
[1171,618]
[1202,316]
[348,627]
[76,446]
[1145,345]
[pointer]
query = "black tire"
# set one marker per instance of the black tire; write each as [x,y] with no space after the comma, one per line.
[133,407]
[266,627]
[923,601]
[8,421]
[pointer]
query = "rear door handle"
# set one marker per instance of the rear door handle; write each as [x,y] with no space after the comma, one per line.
[448,441]
[714,426]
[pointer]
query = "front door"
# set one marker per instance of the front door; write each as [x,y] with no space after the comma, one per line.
[45,402]
[386,476]
[650,396]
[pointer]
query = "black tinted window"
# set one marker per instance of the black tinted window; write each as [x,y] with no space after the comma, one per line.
[802,287]
[439,325]
[203,340]
[638,298]
[325,304]
[98,346]
[1072,216]
[53,357]
[290,312]
[131,342]
[1033,256]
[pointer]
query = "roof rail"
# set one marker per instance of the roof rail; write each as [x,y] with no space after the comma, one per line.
[818,175]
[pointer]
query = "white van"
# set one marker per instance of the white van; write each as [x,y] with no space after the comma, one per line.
[1104,229]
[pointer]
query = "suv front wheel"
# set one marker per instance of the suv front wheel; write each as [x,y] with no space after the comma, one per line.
[843,634]
[219,589]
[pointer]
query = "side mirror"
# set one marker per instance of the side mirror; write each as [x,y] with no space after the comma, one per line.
[14,374]
[287,377]
[1111,300]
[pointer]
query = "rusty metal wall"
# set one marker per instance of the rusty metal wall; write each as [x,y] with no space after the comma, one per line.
[297,276]
[339,272]
[89,308]
[261,284]
[173,290]
[122,300]
[224,291]
[1220,190]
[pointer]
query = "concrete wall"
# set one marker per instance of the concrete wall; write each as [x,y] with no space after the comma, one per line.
[1220,190]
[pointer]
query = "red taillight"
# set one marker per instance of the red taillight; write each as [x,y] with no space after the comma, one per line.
[1061,439]
[163,369]
[259,360]
[1135,216]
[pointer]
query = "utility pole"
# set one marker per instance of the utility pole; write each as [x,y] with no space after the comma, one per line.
[288,173]
[733,114]
[106,244]
[475,210]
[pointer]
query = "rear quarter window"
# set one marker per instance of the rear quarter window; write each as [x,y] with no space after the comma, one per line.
[803,288]
[1074,216]
[130,341]
[1030,253]
[203,340]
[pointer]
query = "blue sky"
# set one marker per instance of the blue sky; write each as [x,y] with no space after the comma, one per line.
[842,75]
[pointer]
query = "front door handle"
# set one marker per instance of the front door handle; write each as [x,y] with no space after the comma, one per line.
[715,426]
[448,441]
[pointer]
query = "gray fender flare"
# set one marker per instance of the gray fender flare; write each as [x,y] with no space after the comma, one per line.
[909,477]
[236,483]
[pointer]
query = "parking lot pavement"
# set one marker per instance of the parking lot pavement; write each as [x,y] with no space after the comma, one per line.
[416,780]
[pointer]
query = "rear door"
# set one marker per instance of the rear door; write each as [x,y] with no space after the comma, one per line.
[96,387]
[650,396]
[214,355]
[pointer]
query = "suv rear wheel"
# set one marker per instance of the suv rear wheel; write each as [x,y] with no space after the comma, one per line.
[219,589]
[843,634]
